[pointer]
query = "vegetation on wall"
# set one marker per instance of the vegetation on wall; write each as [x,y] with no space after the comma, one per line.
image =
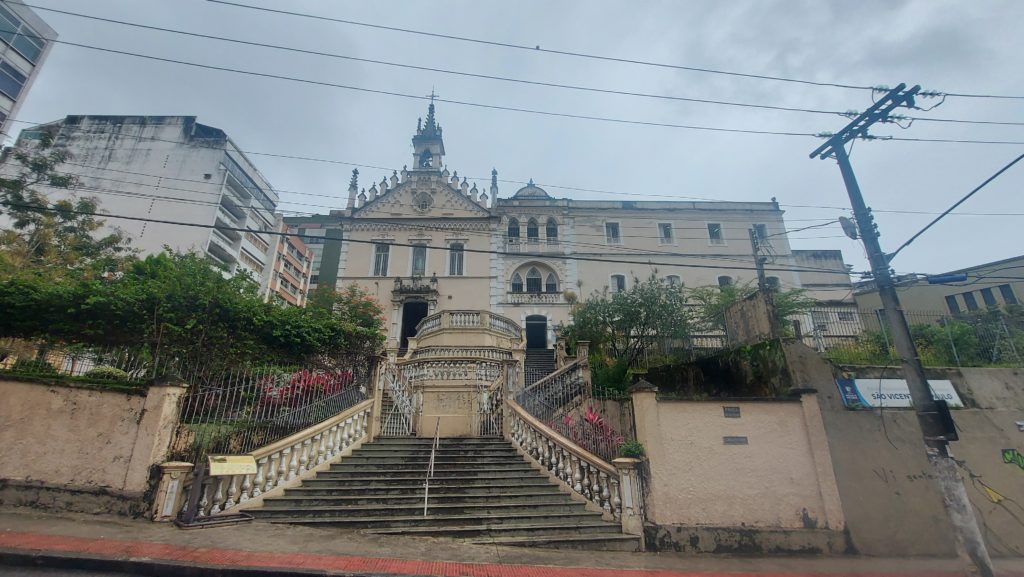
[994,337]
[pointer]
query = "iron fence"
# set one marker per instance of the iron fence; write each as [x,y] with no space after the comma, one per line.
[104,364]
[993,337]
[238,410]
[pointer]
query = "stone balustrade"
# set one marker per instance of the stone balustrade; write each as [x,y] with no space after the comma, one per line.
[585,473]
[468,320]
[447,370]
[488,353]
[286,462]
[535,298]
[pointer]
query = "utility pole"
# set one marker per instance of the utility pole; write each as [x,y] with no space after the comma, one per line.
[759,261]
[933,421]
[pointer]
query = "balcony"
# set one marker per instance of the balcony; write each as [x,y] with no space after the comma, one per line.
[532,246]
[226,218]
[535,298]
[221,247]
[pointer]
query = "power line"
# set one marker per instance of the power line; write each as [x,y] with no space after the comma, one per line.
[517,182]
[952,208]
[371,242]
[495,77]
[532,111]
[538,49]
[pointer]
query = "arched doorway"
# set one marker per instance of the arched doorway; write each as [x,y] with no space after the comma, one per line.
[536,332]
[412,313]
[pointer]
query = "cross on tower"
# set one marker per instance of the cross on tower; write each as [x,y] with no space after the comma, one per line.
[432,95]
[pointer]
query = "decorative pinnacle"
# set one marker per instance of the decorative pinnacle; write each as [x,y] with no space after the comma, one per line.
[494,178]
[354,183]
[530,183]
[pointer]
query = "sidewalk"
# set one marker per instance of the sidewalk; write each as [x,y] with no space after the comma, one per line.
[139,546]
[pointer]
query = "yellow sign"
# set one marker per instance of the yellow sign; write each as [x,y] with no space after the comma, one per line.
[232,465]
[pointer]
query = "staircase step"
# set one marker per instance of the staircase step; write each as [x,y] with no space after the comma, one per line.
[377,510]
[303,500]
[607,542]
[424,460]
[483,481]
[546,528]
[419,471]
[464,489]
[434,519]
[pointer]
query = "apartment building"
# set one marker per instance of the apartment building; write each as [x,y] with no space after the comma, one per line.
[290,265]
[25,42]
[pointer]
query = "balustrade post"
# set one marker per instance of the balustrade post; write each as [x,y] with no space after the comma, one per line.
[304,456]
[246,489]
[170,493]
[582,350]
[282,468]
[631,495]
[232,482]
[272,472]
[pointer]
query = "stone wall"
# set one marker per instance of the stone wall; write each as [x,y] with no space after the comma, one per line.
[82,448]
[759,482]
[891,503]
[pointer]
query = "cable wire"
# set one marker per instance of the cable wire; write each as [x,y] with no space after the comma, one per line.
[492,77]
[891,255]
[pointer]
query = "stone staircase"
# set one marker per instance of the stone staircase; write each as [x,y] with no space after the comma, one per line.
[482,492]
[538,364]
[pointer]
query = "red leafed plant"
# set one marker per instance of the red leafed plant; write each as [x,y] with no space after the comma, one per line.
[303,385]
[592,433]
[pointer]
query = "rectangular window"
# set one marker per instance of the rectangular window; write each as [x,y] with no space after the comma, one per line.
[761,230]
[1007,292]
[665,235]
[456,259]
[380,259]
[972,303]
[21,37]
[11,81]
[715,233]
[952,305]
[674,280]
[618,283]
[820,320]
[611,233]
[847,316]
[989,298]
[419,260]
[314,279]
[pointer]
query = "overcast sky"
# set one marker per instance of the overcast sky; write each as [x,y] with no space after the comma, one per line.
[945,45]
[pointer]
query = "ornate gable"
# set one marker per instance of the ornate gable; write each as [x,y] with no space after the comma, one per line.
[421,194]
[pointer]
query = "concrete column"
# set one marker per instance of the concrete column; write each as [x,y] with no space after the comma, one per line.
[822,457]
[170,493]
[156,431]
[632,495]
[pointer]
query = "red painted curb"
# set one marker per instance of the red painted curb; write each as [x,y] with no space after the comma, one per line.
[114,549]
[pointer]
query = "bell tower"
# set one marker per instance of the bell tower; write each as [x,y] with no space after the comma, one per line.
[427,144]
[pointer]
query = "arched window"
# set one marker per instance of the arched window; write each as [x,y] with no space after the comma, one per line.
[674,280]
[552,230]
[724,281]
[550,284]
[533,280]
[532,232]
[517,283]
[513,229]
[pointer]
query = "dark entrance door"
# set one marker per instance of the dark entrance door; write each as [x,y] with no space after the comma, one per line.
[412,313]
[536,332]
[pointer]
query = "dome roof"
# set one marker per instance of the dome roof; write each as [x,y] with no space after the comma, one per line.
[531,191]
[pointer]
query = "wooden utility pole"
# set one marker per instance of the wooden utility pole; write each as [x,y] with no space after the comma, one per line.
[934,425]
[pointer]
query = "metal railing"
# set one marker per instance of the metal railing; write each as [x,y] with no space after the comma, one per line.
[104,364]
[993,337]
[237,410]
[430,466]
[398,419]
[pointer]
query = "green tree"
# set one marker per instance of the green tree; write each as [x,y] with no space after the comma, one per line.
[624,324]
[61,236]
[713,302]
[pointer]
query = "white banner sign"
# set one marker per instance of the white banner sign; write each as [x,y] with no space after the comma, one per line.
[891,393]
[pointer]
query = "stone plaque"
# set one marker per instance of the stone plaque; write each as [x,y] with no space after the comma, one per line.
[232,465]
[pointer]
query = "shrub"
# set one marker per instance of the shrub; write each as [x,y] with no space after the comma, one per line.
[107,374]
[34,366]
[631,449]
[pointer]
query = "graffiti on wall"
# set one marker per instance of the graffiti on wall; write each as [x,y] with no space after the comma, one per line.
[1013,456]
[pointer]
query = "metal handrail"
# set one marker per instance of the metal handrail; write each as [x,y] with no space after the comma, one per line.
[430,466]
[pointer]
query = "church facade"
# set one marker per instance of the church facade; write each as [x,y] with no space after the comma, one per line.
[424,240]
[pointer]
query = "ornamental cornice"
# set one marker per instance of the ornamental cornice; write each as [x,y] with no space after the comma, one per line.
[420,226]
